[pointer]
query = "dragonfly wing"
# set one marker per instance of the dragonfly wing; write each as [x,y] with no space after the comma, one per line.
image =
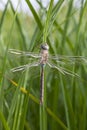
[24,67]
[23,53]
[53,66]
[63,70]
[61,59]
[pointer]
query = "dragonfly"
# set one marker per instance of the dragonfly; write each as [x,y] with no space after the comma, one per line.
[43,59]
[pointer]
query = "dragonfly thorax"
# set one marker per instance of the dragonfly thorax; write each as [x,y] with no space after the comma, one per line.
[44,54]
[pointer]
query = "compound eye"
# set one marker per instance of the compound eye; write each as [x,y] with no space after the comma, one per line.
[45,46]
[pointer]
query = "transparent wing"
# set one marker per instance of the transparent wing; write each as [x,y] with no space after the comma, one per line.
[63,70]
[23,53]
[24,67]
[69,59]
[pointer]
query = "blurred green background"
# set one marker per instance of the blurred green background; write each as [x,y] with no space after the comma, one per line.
[64,27]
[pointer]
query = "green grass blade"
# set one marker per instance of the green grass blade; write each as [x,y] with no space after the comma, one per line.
[23,117]
[83,118]
[38,21]
[20,27]
[67,22]
[13,106]
[3,15]
[2,73]
[48,19]
[77,47]
[35,38]
[3,120]
[70,117]
[55,11]
[22,100]
[4,64]
[69,42]
[56,119]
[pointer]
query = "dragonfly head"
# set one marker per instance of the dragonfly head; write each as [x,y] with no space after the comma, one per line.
[45,46]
